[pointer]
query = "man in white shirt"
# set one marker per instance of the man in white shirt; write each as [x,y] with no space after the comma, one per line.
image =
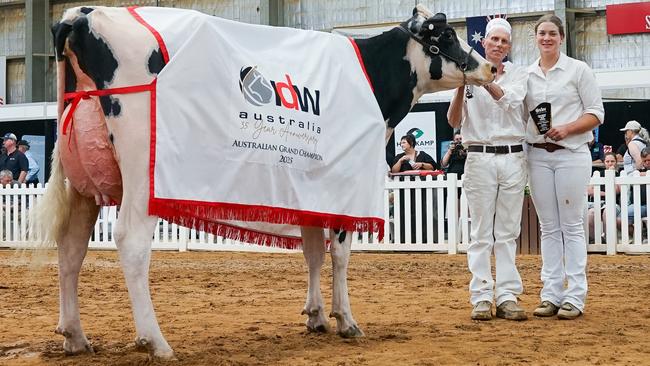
[495,176]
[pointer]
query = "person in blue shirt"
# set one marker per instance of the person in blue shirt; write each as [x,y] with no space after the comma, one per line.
[32,173]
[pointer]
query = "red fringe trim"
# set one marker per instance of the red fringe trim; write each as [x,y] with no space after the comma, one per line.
[205,216]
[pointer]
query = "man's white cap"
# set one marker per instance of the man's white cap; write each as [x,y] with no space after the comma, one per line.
[498,23]
[632,125]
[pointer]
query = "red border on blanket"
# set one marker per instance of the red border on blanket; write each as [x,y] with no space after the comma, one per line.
[363,66]
[161,44]
[205,215]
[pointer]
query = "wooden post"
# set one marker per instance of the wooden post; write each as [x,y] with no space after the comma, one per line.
[452,213]
[610,211]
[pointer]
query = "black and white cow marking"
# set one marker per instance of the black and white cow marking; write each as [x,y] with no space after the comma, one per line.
[422,55]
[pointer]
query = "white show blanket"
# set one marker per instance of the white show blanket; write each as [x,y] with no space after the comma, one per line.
[263,124]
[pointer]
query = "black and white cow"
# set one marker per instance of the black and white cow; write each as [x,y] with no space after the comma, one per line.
[421,55]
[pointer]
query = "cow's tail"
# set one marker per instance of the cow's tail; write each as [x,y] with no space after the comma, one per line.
[50,215]
[52,212]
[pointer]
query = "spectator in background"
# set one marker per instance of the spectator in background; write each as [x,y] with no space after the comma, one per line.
[596,148]
[495,177]
[454,159]
[637,138]
[32,174]
[643,170]
[6,178]
[412,159]
[610,164]
[645,161]
[14,160]
[620,152]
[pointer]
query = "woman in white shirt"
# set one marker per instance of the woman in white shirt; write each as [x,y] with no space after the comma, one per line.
[559,164]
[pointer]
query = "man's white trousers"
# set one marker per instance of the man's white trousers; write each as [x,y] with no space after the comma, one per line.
[494,185]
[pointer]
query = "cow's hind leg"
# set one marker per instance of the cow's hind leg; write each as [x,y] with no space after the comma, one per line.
[72,248]
[313,248]
[346,327]
[133,235]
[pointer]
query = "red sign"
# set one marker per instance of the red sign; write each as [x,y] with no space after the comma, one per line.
[628,18]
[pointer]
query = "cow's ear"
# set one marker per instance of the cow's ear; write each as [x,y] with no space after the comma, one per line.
[415,11]
[434,25]
[439,18]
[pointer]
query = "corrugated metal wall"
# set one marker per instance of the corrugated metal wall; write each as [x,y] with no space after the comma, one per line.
[242,10]
[325,15]
[12,31]
[15,81]
[599,3]
[12,44]
[592,44]
[602,51]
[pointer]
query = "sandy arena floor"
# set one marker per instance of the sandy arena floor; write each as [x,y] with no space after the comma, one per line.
[244,309]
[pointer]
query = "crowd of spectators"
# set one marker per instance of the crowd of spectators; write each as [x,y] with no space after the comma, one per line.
[18,161]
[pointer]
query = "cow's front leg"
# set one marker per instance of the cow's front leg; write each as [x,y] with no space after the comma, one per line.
[72,247]
[313,248]
[340,250]
[133,237]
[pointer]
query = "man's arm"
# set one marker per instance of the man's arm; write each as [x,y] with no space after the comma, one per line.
[23,163]
[455,112]
[510,96]
[447,158]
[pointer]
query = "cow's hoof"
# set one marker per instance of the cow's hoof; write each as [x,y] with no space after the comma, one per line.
[161,354]
[316,323]
[74,345]
[320,328]
[164,355]
[72,349]
[351,332]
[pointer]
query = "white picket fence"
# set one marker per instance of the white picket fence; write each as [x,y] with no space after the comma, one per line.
[406,205]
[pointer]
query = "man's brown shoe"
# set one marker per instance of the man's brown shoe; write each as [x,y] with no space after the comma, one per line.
[482,311]
[511,310]
[568,312]
[546,308]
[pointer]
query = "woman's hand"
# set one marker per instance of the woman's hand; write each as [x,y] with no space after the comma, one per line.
[558,133]
[419,165]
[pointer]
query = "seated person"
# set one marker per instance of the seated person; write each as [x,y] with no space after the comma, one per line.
[610,164]
[645,159]
[7,178]
[412,159]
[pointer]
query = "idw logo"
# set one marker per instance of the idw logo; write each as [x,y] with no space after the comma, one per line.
[257,91]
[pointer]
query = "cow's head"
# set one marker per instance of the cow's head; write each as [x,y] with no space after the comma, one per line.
[440,59]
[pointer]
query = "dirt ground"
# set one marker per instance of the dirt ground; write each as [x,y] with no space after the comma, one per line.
[244,309]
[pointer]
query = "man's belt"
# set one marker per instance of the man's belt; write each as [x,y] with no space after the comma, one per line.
[548,146]
[503,149]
